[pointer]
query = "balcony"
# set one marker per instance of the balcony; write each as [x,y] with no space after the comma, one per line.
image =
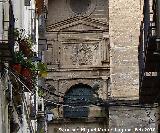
[150,68]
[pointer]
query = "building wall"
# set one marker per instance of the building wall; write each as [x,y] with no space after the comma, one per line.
[4,121]
[25,19]
[66,66]
[1,21]
[133,119]
[78,127]
[1,107]
[18,9]
[5,19]
[124,22]
[124,19]
[124,28]
[98,10]
[78,52]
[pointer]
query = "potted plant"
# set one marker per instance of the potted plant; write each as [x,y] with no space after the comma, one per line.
[17,62]
[25,46]
[29,73]
[25,43]
[26,73]
[17,68]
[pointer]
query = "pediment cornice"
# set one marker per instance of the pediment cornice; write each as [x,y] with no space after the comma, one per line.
[72,23]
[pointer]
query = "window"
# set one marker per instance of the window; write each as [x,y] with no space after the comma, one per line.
[77,100]
[79,6]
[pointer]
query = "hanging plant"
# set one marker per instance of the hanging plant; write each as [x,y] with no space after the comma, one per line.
[32,66]
[25,42]
[41,92]
[18,61]
[25,47]
[17,34]
[27,75]
[23,63]
[42,68]
[17,68]
[26,72]
[26,68]
[19,57]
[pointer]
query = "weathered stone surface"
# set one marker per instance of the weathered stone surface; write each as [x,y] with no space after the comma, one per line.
[94,111]
[97,9]
[133,119]
[124,23]
[122,92]
[77,74]
[65,85]
[93,125]
[78,53]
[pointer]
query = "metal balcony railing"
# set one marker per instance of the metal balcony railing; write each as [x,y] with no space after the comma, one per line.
[149,57]
[149,64]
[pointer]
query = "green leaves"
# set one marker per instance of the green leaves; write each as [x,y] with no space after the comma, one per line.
[42,68]
[19,58]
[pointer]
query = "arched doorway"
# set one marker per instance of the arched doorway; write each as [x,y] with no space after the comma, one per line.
[77,101]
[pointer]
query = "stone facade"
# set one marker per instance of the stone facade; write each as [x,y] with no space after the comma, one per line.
[124,28]
[98,46]
[132,120]
[78,126]
[78,53]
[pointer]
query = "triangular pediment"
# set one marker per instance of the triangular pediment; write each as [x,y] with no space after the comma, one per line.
[81,27]
[78,24]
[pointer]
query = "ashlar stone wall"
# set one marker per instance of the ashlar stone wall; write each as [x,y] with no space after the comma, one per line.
[125,17]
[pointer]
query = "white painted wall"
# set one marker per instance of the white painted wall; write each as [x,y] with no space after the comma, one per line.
[18,13]
[1,32]
[6,18]
[1,20]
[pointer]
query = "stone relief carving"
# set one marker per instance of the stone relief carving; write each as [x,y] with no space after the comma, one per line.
[82,54]
[96,46]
